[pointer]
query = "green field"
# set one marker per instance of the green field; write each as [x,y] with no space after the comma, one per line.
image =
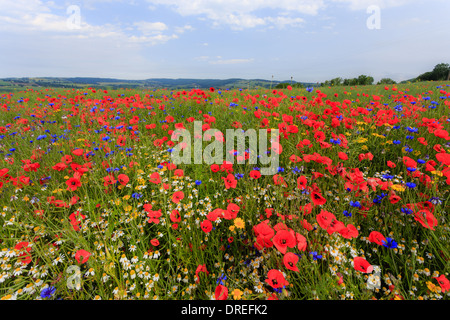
[358,208]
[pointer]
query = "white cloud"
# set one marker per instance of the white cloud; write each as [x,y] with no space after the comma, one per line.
[231,61]
[364,4]
[240,14]
[150,27]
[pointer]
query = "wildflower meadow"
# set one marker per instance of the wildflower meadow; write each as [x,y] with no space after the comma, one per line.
[93,205]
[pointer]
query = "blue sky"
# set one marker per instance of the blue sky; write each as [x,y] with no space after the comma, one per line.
[308,40]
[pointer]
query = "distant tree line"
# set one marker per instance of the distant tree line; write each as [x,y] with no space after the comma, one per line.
[441,72]
[362,80]
[284,85]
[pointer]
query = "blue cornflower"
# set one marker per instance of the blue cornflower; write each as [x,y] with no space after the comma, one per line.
[406,210]
[389,243]
[411,185]
[296,170]
[198,182]
[315,255]
[221,278]
[435,200]
[347,213]
[309,89]
[48,292]
[355,204]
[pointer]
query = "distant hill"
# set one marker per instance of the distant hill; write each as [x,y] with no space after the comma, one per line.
[153,83]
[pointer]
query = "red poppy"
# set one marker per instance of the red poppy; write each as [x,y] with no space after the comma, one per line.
[155,178]
[24,257]
[294,158]
[221,292]
[408,162]
[342,156]
[394,198]
[178,196]
[175,216]
[361,264]
[264,234]
[284,239]
[121,140]
[108,180]
[123,179]
[444,158]
[276,279]
[301,242]
[317,198]
[443,283]
[391,164]
[215,214]
[301,182]
[154,216]
[306,209]
[422,140]
[230,181]
[279,180]
[178,172]
[78,152]
[349,232]
[377,237]
[335,226]
[215,167]
[200,268]
[73,184]
[324,218]
[154,242]
[82,256]
[233,209]
[319,136]
[206,226]
[305,224]
[74,220]
[426,219]
[67,159]
[255,174]
[226,166]
[368,156]
[277,148]
[290,260]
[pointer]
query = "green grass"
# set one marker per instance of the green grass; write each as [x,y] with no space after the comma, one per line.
[115,228]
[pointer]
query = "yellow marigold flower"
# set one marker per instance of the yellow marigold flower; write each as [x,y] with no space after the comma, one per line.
[398,187]
[239,223]
[237,294]
[437,173]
